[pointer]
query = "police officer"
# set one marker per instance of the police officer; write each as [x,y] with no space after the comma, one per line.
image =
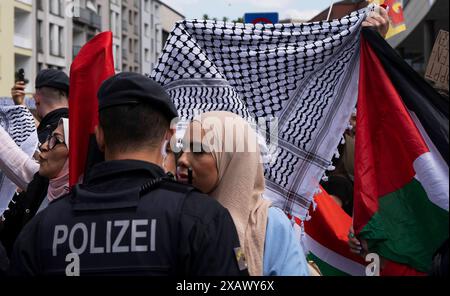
[128,218]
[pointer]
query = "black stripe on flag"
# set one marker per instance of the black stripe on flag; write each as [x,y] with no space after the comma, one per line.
[431,108]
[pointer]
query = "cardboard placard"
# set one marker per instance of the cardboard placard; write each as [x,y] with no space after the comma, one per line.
[437,70]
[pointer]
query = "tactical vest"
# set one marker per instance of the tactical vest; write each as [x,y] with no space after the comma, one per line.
[131,232]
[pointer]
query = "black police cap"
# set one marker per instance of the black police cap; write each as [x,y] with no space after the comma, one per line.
[131,88]
[52,78]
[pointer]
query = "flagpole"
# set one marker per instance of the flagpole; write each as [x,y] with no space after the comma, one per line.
[330,10]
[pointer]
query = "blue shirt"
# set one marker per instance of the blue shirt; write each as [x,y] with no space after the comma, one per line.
[283,254]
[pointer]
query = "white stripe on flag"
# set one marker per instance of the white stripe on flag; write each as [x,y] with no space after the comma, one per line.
[431,170]
[334,259]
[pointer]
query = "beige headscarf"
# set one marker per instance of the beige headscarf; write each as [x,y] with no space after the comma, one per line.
[241,180]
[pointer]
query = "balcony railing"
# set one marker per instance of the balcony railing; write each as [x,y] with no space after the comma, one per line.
[89,18]
[22,41]
[29,2]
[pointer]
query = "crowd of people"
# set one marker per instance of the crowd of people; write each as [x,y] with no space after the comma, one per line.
[146,210]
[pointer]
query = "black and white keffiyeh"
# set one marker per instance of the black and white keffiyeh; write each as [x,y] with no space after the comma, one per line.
[19,123]
[304,75]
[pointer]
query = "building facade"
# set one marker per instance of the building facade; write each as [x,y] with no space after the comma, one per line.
[53,35]
[115,25]
[40,34]
[17,48]
[91,18]
[131,47]
[423,20]
[169,17]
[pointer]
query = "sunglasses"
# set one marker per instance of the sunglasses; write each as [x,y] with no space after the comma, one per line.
[52,141]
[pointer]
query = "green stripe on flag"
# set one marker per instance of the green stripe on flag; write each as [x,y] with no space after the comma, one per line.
[325,268]
[408,228]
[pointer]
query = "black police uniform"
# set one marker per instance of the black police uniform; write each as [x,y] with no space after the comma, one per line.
[24,205]
[119,228]
[127,218]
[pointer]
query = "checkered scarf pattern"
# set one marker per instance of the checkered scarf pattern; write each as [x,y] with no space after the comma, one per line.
[305,75]
[19,123]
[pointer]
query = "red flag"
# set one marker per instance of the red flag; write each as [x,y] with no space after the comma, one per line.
[93,64]
[327,239]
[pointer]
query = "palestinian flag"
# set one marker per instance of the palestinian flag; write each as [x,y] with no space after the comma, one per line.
[93,64]
[326,239]
[401,155]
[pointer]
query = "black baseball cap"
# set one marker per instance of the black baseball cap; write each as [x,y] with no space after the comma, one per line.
[128,88]
[53,78]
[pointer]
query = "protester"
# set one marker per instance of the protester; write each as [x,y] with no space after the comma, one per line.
[51,98]
[43,182]
[137,220]
[235,178]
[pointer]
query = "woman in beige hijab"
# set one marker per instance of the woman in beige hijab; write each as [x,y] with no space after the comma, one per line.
[222,150]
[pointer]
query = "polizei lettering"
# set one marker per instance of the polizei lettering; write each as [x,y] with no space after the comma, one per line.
[118,236]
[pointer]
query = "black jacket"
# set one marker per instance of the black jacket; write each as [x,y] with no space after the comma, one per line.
[4,261]
[22,208]
[128,220]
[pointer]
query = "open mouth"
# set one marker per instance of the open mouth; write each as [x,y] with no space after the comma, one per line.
[182,178]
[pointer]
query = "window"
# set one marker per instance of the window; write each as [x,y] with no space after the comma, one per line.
[116,55]
[56,7]
[147,30]
[39,39]
[111,22]
[130,17]
[56,40]
[51,40]
[147,55]
[61,41]
[147,5]
[99,9]
[40,5]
